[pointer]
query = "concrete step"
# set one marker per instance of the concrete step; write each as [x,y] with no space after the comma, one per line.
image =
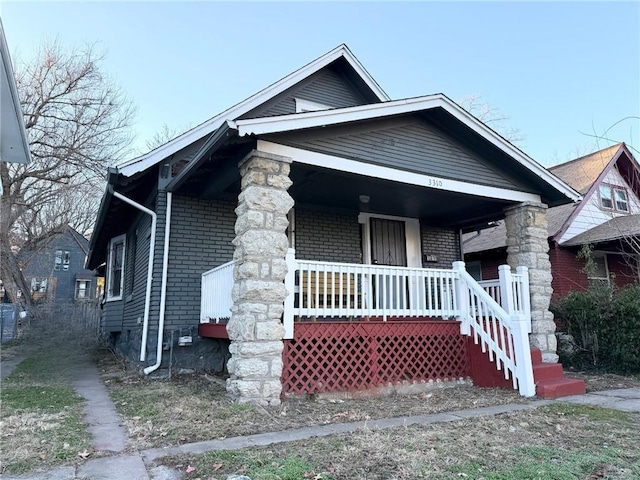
[547,371]
[561,387]
[536,356]
[550,380]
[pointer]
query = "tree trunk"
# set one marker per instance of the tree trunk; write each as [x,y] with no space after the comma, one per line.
[10,272]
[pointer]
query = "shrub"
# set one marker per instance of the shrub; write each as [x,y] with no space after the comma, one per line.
[605,324]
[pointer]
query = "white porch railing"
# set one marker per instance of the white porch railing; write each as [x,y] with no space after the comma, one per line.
[497,315]
[502,331]
[215,302]
[516,285]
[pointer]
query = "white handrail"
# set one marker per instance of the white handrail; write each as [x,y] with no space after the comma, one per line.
[516,285]
[502,333]
[216,301]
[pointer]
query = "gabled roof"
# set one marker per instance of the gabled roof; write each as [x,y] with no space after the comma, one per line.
[584,175]
[615,156]
[143,162]
[31,251]
[582,172]
[324,118]
[617,228]
[14,146]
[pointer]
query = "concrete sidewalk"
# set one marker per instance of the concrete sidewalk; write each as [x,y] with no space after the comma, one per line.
[110,438]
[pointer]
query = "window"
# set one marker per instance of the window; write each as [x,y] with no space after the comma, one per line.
[38,285]
[475,270]
[115,272]
[40,288]
[600,275]
[621,200]
[62,260]
[83,289]
[614,198]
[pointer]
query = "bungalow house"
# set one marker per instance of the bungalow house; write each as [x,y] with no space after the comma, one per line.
[607,220]
[307,240]
[55,269]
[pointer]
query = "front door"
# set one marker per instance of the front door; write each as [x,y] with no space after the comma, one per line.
[388,242]
[388,247]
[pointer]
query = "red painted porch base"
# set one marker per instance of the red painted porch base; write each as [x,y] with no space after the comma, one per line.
[213,330]
[550,380]
[338,356]
[483,371]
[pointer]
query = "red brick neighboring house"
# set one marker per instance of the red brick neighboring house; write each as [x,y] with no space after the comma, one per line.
[607,218]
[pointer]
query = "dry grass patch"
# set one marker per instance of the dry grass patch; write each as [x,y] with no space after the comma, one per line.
[559,442]
[195,407]
[41,418]
[599,381]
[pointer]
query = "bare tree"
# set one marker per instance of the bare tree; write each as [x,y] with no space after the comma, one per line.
[491,116]
[164,135]
[78,123]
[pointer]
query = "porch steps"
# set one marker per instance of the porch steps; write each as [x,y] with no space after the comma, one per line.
[550,380]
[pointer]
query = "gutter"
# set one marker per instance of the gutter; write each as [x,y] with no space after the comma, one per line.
[163,288]
[147,297]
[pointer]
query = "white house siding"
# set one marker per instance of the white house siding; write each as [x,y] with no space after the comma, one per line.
[592,215]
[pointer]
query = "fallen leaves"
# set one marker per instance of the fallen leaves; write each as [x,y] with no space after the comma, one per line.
[84,454]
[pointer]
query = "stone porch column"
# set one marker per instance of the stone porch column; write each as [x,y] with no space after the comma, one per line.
[527,245]
[255,328]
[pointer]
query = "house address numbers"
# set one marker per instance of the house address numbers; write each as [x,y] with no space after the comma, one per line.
[434,182]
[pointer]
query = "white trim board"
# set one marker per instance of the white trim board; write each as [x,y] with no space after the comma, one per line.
[306,157]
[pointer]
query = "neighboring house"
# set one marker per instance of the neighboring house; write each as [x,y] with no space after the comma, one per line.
[305,240]
[607,220]
[55,269]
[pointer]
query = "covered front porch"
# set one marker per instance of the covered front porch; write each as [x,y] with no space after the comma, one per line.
[346,223]
[354,326]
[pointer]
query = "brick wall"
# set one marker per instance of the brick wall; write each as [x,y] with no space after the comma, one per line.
[567,271]
[622,271]
[201,236]
[444,243]
[328,236]
[200,239]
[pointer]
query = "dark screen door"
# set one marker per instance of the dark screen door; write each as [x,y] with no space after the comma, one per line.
[388,242]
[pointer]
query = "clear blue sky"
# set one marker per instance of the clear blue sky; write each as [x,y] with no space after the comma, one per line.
[559,70]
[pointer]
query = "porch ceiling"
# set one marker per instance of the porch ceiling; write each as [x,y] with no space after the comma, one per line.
[337,190]
[327,188]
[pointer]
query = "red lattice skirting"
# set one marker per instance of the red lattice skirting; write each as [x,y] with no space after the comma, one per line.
[343,356]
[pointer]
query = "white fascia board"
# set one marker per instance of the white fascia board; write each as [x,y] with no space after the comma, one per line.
[143,162]
[286,123]
[335,116]
[13,135]
[307,157]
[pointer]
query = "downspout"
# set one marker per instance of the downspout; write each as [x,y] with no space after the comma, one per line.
[163,288]
[147,297]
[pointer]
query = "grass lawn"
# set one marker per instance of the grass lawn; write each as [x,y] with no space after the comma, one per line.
[559,442]
[41,417]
